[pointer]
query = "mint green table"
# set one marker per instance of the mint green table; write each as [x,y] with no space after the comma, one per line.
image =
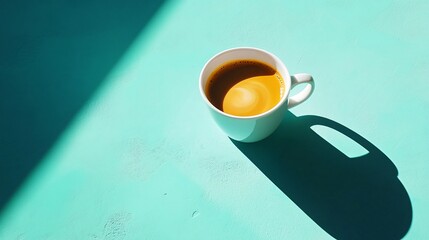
[144,160]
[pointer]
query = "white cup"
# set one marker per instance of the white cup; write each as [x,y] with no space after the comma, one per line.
[257,127]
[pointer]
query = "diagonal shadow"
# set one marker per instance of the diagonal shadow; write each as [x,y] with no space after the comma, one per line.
[350,198]
[53,56]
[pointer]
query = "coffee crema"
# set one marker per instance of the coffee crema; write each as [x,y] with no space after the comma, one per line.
[245,87]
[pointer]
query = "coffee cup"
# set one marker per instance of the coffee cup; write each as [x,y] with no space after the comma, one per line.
[253,128]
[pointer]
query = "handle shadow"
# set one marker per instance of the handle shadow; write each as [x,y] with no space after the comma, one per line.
[350,198]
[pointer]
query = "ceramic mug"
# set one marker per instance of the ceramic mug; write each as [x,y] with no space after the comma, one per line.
[257,127]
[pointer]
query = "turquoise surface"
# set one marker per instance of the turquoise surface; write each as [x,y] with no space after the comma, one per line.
[144,160]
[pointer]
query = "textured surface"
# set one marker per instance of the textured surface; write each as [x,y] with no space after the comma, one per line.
[53,56]
[143,159]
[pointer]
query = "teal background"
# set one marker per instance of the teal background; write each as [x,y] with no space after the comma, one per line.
[53,56]
[142,159]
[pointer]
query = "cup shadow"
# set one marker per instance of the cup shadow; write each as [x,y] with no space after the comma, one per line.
[350,198]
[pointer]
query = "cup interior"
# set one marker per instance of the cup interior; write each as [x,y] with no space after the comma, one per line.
[244,54]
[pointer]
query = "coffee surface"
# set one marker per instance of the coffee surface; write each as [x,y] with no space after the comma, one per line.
[245,88]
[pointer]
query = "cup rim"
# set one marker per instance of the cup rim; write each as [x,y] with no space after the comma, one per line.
[277,106]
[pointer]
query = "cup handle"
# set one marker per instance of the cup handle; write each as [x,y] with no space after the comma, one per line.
[300,97]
